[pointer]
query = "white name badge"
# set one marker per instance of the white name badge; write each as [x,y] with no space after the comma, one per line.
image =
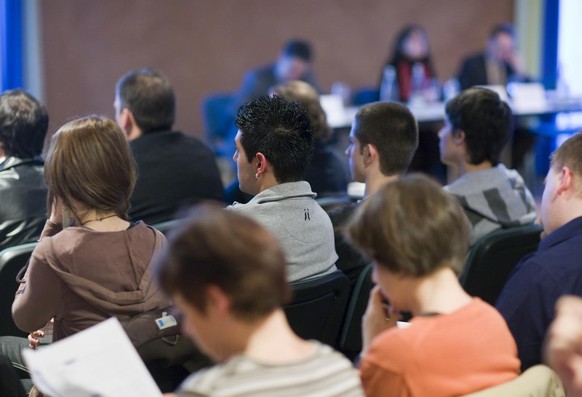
[166,321]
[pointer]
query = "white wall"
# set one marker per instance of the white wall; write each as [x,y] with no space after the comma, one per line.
[569,48]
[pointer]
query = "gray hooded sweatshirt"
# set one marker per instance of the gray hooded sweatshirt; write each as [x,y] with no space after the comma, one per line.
[494,198]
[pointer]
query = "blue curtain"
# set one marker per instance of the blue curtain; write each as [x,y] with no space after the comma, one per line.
[550,43]
[12,43]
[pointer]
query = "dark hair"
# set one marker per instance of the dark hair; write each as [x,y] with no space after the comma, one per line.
[307,97]
[298,48]
[398,54]
[412,227]
[23,124]
[218,247]
[148,94]
[504,27]
[486,121]
[393,130]
[281,130]
[89,161]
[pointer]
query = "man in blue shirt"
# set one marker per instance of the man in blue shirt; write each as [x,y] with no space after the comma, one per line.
[528,299]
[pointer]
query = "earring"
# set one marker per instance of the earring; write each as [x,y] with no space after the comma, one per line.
[257,175]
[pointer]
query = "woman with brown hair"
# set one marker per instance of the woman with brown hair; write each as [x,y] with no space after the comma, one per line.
[91,263]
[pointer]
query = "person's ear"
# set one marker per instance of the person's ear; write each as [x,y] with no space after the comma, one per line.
[217,300]
[458,137]
[126,120]
[566,180]
[370,154]
[261,164]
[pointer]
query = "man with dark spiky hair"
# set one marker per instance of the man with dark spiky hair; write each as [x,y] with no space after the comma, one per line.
[274,145]
[23,126]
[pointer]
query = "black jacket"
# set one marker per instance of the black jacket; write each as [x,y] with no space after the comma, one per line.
[23,196]
[473,72]
[174,171]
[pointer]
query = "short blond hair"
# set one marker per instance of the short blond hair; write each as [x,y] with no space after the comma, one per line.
[569,154]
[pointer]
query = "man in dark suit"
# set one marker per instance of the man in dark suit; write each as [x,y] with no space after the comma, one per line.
[174,170]
[294,63]
[497,65]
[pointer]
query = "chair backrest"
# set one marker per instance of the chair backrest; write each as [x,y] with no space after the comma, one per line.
[12,259]
[318,307]
[364,95]
[494,256]
[537,381]
[350,342]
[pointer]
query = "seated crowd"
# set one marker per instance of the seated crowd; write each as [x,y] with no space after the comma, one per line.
[230,271]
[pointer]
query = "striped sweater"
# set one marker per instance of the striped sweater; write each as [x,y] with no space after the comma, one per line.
[325,374]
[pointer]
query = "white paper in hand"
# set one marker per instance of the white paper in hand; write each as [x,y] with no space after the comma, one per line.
[100,361]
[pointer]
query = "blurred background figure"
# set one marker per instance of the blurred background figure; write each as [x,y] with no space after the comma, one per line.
[409,68]
[498,64]
[23,126]
[294,63]
[409,76]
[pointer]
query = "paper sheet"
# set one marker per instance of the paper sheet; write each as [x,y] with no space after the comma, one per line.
[98,362]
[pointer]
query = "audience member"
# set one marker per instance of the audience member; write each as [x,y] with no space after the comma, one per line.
[497,65]
[174,170]
[23,126]
[411,48]
[529,297]
[563,347]
[274,145]
[227,275]
[383,139]
[91,262]
[326,172]
[477,127]
[417,236]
